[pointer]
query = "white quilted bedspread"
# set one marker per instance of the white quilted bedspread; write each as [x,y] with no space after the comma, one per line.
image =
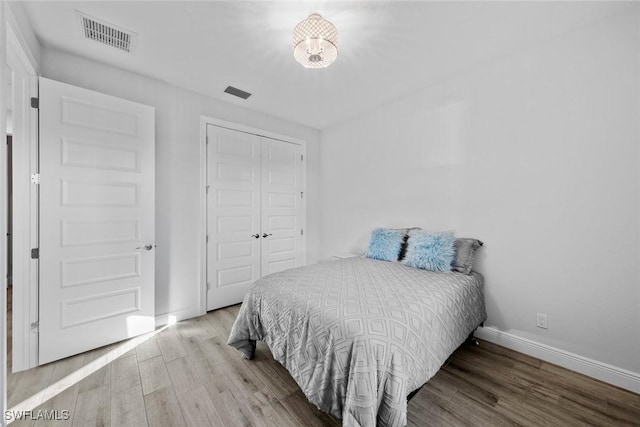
[358,335]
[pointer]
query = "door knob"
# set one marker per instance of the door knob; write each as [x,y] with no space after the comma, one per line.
[267,235]
[257,236]
[146,247]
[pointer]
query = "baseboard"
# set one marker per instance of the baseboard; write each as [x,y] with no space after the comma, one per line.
[176,316]
[584,365]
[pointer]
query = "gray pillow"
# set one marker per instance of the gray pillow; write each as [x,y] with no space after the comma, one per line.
[465,252]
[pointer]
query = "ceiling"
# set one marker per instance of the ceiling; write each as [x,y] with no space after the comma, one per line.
[387,49]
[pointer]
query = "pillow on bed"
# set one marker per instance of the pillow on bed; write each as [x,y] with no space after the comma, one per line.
[465,252]
[405,240]
[430,251]
[385,244]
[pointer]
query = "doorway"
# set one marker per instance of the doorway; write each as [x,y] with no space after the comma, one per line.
[22,122]
[9,282]
[255,208]
[97,220]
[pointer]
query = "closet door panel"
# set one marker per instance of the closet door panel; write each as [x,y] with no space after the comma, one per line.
[233,215]
[281,206]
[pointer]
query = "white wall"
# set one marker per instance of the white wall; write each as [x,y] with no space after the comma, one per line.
[178,213]
[538,155]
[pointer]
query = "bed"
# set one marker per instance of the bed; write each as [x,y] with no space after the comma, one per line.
[358,335]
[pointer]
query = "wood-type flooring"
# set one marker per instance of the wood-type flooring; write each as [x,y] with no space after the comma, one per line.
[186,375]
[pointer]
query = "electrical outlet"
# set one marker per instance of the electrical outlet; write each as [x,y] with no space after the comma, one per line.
[541,321]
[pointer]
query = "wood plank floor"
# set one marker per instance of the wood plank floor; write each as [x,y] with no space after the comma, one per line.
[186,375]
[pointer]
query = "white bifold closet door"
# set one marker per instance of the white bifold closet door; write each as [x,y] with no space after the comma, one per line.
[254,211]
[97,220]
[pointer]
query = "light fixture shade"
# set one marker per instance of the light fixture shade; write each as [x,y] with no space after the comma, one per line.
[315,42]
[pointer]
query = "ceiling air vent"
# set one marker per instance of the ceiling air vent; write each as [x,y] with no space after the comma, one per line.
[106,33]
[237,92]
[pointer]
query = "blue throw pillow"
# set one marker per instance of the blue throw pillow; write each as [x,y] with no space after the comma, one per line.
[430,251]
[385,244]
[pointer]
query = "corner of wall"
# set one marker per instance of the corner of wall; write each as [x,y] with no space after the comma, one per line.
[18,23]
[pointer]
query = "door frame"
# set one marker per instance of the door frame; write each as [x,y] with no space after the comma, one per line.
[204,122]
[25,200]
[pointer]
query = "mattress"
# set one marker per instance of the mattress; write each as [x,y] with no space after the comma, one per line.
[358,335]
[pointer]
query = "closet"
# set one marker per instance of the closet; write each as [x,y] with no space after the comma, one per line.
[255,211]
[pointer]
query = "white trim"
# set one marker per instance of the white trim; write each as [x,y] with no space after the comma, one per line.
[254,131]
[17,47]
[25,208]
[202,254]
[593,368]
[204,121]
[176,316]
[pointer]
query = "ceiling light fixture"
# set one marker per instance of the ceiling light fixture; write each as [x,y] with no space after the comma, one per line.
[315,42]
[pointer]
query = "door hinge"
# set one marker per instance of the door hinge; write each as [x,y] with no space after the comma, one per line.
[207,238]
[302,232]
[302,157]
[35,103]
[35,326]
[302,194]
[208,285]
[35,178]
[206,138]
[35,253]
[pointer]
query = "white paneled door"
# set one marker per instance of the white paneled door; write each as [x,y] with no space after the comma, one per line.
[96,220]
[254,211]
[233,220]
[281,206]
